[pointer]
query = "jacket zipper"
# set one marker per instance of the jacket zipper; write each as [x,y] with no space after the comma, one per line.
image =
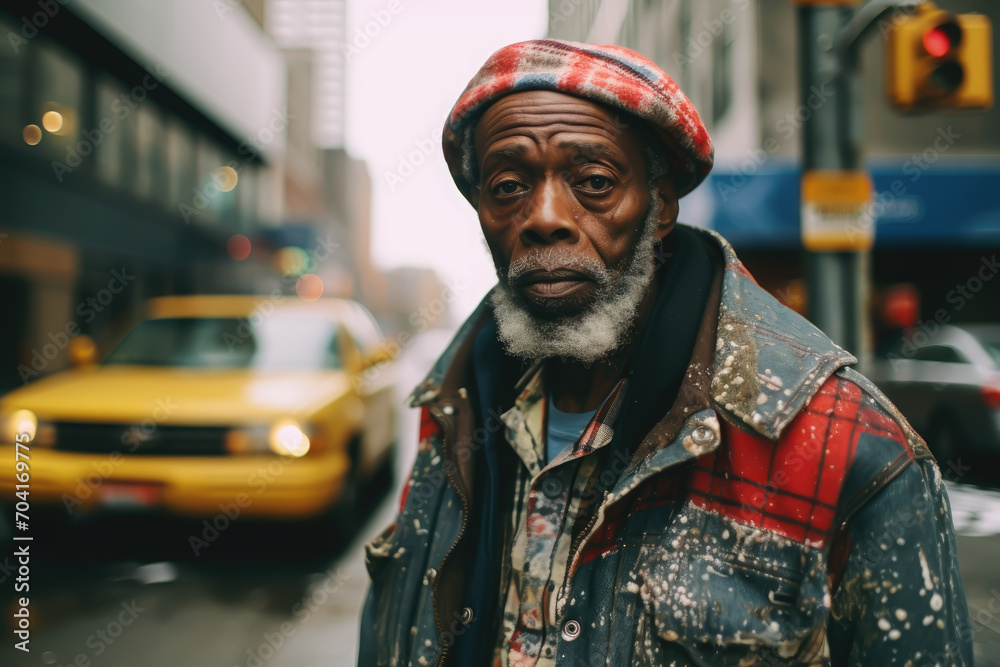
[575,546]
[447,431]
[585,534]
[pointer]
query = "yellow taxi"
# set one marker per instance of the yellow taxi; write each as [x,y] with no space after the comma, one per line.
[264,406]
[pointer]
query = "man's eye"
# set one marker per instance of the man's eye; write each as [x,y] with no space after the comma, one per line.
[596,183]
[507,188]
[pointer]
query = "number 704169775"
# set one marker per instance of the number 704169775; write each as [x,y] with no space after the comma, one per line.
[23,475]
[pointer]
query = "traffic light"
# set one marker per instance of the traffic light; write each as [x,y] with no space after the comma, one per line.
[939,60]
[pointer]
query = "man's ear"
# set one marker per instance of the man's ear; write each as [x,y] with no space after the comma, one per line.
[669,208]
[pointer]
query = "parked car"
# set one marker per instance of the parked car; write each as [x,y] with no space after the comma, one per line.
[947,384]
[258,406]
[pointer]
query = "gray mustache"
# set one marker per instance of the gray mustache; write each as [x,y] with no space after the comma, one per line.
[550,259]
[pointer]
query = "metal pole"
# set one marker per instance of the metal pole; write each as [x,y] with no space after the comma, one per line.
[838,282]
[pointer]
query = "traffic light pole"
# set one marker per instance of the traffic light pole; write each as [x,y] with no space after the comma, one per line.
[838,280]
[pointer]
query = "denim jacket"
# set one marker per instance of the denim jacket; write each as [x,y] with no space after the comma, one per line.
[781,512]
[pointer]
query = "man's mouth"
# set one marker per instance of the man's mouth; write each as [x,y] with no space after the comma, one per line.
[542,285]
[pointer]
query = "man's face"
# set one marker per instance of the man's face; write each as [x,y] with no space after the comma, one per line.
[565,206]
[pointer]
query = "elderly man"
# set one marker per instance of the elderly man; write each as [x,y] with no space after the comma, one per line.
[631,454]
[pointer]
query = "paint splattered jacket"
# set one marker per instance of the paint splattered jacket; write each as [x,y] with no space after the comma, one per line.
[791,517]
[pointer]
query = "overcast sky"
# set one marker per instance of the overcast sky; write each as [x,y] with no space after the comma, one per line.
[401,85]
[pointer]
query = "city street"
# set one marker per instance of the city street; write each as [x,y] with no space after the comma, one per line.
[255,597]
[235,235]
[249,602]
[281,611]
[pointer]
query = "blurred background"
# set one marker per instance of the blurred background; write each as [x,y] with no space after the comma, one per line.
[229,247]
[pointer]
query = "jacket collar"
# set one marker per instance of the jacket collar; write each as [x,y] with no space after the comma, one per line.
[768,361]
[429,389]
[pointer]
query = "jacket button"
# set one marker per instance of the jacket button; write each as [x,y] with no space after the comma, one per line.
[467,616]
[703,436]
[552,487]
[448,409]
[571,630]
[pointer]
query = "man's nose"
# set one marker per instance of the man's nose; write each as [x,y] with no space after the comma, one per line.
[549,216]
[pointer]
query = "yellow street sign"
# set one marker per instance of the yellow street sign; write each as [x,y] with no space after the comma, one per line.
[837,211]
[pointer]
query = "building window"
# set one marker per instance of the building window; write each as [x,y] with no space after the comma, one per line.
[150,175]
[181,166]
[56,105]
[722,73]
[11,94]
[108,156]
[246,195]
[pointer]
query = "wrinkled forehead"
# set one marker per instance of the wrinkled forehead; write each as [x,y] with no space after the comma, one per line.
[552,118]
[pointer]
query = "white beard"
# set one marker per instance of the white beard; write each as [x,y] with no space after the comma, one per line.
[601,328]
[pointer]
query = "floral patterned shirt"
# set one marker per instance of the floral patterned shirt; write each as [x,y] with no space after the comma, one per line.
[553,505]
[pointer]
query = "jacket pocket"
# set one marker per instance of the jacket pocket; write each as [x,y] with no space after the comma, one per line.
[730,594]
[386,562]
[380,550]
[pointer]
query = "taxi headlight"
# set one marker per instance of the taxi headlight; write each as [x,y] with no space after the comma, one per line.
[288,439]
[17,424]
[285,438]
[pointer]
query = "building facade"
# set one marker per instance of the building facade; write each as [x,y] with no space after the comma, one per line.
[136,140]
[738,61]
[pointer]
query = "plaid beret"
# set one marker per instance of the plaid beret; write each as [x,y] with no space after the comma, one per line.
[613,76]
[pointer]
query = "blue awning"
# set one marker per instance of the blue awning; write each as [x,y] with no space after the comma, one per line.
[944,207]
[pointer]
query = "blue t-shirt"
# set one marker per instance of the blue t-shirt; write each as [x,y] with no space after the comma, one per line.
[564,429]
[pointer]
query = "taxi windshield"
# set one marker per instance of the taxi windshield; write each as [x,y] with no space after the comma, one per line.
[275,343]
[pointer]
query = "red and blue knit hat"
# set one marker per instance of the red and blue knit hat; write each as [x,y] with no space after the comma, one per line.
[614,76]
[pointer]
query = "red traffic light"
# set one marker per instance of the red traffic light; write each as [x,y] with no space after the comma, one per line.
[937,60]
[942,39]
